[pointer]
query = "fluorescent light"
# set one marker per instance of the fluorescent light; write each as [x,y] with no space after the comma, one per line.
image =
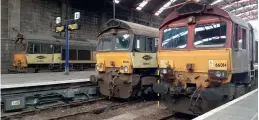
[164,7]
[142,5]
[138,8]
[216,2]
[157,14]
[116,1]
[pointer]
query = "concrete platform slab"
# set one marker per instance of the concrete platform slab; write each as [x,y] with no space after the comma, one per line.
[37,79]
[242,108]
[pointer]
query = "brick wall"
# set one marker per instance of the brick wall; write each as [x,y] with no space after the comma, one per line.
[38,17]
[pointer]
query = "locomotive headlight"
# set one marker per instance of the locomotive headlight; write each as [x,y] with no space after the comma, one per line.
[191,19]
[97,67]
[163,71]
[218,74]
[126,69]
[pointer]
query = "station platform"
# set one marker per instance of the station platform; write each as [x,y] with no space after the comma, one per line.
[40,79]
[242,108]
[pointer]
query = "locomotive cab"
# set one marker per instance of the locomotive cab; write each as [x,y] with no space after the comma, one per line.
[205,57]
[126,59]
[19,61]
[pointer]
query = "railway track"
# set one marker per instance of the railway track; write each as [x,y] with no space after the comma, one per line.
[73,110]
[113,106]
[8,116]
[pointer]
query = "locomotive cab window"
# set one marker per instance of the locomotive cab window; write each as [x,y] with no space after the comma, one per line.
[37,48]
[175,38]
[57,49]
[105,43]
[30,48]
[46,49]
[122,42]
[210,35]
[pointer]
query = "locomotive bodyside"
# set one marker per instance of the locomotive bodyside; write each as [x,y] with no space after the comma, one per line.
[50,54]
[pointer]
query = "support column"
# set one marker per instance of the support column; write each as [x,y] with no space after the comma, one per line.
[14,13]
[131,15]
[12,28]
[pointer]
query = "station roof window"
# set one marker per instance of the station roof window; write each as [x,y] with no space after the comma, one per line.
[237,2]
[245,13]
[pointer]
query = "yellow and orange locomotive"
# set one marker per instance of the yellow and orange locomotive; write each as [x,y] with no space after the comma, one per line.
[206,57]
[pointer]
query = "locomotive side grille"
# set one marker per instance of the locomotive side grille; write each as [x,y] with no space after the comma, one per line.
[84,55]
[77,54]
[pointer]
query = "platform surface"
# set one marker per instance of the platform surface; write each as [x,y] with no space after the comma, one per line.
[242,108]
[47,78]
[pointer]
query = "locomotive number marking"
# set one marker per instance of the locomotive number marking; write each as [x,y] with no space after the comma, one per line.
[220,65]
[40,61]
[146,63]
[16,102]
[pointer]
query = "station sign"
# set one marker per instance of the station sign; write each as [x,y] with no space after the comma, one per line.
[76,15]
[58,20]
[71,26]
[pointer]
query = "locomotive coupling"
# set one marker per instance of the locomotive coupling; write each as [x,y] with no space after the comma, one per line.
[160,88]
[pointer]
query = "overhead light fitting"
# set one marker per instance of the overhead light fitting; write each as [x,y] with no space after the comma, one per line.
[164,7]
[142,5]
[116,1]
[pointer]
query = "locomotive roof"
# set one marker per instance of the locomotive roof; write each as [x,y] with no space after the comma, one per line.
[211,10]
[134,27]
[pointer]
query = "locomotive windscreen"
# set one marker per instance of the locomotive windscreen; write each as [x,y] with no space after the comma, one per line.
[190,8]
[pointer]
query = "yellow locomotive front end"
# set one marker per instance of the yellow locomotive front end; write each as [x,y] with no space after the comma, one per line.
[198,67]
[19,56]
[126,61]
[20,62]
[203,61]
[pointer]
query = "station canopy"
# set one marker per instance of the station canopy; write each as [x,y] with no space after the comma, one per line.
[245,9]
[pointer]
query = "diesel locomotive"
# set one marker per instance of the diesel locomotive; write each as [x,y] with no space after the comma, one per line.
[126,59]
[34,54]
[206,57]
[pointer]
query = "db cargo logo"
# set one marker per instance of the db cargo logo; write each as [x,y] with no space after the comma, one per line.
[40,57]
[147,57]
